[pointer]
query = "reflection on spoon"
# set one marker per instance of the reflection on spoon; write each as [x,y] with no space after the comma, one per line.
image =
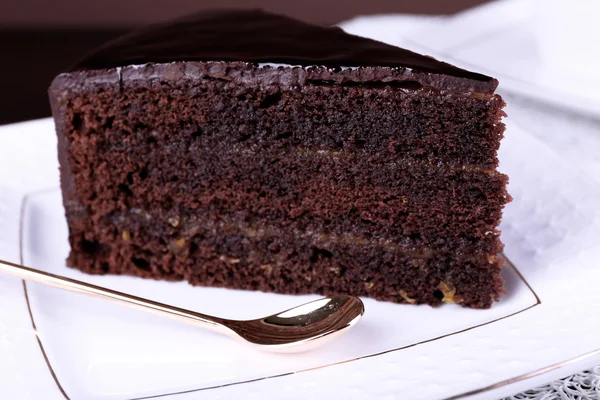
[302,327]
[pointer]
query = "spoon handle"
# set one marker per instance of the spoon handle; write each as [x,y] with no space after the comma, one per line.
[73,285]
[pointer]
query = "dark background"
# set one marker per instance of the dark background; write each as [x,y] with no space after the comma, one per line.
[39,38]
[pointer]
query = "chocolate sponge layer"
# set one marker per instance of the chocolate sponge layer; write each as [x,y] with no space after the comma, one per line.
[236,175]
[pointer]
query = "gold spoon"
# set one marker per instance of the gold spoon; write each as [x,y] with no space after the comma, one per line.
[297,329]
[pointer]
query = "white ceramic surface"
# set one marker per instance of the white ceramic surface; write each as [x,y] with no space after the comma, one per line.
[103,351]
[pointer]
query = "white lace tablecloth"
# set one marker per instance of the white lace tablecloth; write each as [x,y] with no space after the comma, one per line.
[582,386]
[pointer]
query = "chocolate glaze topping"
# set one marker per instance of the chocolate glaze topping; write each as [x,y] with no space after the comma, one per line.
[259,37]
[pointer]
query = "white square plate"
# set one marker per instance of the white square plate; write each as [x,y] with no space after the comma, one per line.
[545,328]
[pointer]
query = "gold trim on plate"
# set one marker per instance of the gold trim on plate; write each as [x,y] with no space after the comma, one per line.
[37,336]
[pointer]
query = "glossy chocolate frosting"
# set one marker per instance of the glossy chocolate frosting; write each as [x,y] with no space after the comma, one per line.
[259,37]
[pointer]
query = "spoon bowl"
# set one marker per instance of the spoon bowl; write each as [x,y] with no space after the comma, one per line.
[303,327]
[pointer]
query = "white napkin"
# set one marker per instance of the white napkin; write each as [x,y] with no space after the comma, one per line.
[544,49]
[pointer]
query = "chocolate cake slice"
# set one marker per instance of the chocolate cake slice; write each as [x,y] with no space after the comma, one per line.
[248,150]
